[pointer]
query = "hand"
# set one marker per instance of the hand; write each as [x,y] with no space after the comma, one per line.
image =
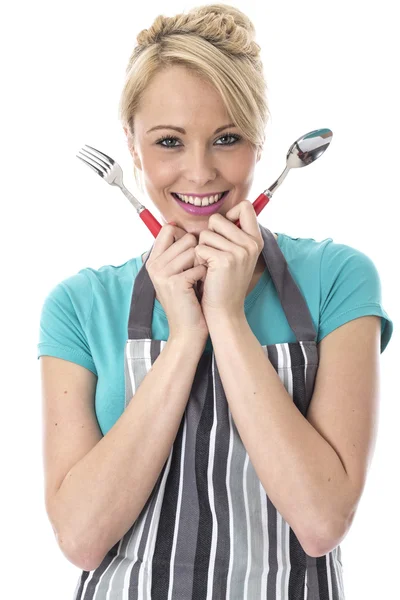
[230,255]
[173,273]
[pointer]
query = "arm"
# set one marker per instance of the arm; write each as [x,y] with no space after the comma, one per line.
[314,487]
[104,492]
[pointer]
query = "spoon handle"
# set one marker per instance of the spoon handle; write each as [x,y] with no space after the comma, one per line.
[258,205]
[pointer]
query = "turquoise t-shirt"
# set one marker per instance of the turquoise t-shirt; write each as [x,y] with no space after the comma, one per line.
[84,318]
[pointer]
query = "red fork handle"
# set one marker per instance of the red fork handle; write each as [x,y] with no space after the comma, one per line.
[152,224]
[258,205]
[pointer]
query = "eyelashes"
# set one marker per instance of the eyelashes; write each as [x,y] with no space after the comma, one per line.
[235,137]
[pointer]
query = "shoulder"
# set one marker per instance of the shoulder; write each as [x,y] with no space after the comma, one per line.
[303,253]
[111,273]
[332,256]
[77,292]
[331,268]
[340,282]
[73,294]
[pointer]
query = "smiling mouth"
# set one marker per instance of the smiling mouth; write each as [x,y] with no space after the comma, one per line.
[200,210]
[199,202]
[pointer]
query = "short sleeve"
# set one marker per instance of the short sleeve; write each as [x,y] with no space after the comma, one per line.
[350,288]
[64,314]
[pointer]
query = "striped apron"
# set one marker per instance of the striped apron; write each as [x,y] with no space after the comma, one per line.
[208,530]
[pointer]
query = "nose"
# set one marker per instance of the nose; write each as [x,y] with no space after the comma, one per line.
[199,167]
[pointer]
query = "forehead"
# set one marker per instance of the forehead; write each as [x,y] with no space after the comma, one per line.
[179,96]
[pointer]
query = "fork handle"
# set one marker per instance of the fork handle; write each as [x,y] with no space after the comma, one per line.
[151,222]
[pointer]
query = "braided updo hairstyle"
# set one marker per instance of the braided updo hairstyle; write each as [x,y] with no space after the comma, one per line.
[214,41]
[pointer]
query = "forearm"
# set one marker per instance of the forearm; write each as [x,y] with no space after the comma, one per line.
[103,494]
[299,470]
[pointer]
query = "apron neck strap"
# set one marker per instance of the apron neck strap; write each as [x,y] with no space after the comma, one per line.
[290,296]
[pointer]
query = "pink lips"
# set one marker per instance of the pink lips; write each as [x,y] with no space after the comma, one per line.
[201,210]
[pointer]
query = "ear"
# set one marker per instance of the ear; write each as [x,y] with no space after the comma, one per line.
[132,150]
[136,160]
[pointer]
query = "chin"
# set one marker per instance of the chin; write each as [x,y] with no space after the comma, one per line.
[194,229]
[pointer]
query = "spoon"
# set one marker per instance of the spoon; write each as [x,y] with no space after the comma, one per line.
[305,150]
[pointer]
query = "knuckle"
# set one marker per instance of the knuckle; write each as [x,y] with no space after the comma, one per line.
[213,217]
[161,280]
[229,259]
[255,245]
[166,230]
[171,284]
[150,263]
[152,269]
[242,254]
[191,237]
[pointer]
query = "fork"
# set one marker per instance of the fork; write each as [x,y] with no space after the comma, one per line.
[110,170]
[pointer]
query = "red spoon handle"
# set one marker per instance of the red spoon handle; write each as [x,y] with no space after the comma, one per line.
[258,205]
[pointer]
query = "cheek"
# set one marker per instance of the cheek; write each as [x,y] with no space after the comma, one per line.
[240,163]
[240,172]
[158,173]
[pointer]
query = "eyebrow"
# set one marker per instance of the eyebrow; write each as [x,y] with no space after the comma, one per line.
[181,130]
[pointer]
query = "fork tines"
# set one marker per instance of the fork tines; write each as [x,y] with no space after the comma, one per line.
[94,161]
[111,160]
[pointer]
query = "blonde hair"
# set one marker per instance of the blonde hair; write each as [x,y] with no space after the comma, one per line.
[214,41]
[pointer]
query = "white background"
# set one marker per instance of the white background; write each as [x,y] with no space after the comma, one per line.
[327,65]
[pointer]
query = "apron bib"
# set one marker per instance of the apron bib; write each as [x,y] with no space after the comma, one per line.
[208,530]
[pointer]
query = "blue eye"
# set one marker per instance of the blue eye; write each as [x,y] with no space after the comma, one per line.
[169,138]
[236,138]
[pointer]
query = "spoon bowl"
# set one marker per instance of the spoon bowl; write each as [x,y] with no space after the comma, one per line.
[305,150]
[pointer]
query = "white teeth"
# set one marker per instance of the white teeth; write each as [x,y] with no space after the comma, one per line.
[196,201]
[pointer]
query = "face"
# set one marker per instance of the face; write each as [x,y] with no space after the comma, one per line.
[200,160]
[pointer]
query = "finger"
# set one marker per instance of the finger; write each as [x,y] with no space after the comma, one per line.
[199,261]
[169,243]
[244,211]
[226,228]
[179,264]
[165,238]
[215,240]
[209,256]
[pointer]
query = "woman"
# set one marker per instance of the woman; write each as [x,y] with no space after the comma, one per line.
[215,449]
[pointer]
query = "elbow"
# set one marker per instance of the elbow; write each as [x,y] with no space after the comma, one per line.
[325,539]
[79,557]
[317,550]
[320,544]
[71,545]
[76,553]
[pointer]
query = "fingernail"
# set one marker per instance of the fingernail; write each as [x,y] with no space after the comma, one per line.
[171,223]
